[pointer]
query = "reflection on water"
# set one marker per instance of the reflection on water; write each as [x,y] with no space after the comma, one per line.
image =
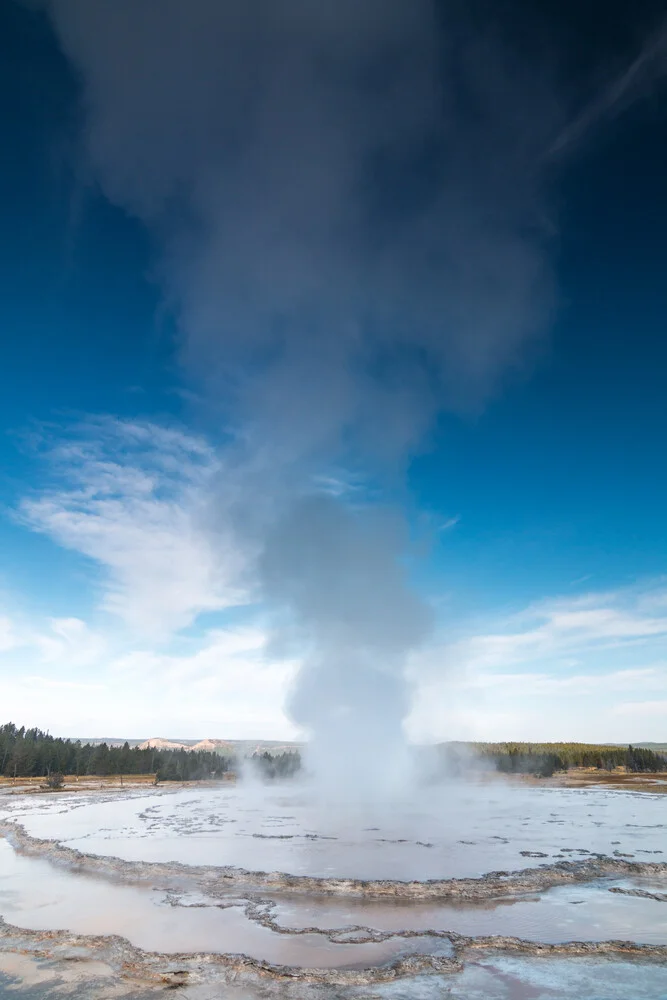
[37,896]
[566,913]
[453,831]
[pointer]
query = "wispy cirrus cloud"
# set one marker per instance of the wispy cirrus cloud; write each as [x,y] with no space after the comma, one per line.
[574,685]
[647,69]
[587,668]
[569,627]
[69,640]
[129,495]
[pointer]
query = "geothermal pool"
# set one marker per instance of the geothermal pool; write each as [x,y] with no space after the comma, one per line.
[452,831]
[487,889]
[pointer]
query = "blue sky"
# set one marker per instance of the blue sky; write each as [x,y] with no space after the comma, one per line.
[536,503]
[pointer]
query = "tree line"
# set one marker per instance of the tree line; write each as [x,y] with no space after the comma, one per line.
[26,753]
[276,767]
[544,759]
[32,753]
[540,759]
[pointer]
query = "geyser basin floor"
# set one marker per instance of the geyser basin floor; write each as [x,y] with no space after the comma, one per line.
[492,977]
[359,945]
[450,831]
[56,968]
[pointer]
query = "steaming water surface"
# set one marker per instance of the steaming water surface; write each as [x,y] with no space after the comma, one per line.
[448,832]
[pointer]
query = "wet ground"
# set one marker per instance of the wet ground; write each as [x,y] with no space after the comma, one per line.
[479,891]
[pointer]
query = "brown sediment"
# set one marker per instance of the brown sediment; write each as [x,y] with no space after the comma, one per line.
[465,946]
[219,881]
[659,897]
[655,782]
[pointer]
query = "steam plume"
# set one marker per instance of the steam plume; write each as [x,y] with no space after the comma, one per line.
[337,571]
[351,226]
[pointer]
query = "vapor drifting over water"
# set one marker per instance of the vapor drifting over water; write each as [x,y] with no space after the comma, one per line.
[348,208]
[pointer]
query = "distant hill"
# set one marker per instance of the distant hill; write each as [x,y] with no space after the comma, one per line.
[223,747]
[243,748]
[226,748]
[111,741]
[246,747]
[157,743]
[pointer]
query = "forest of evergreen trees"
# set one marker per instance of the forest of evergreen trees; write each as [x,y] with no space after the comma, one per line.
[33,753]
[546,758]
[26,753]
[276,767]
[540,759]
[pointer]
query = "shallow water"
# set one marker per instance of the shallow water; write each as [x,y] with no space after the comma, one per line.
[37,896]
[454,831]
[565,913]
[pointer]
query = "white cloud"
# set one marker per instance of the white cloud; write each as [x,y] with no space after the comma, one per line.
[450,523]
[224,686]
[562,628]
[561,669]
[130,496]
[69,639]
[572,685]
[640,709]
[591,709]
[8,637]
[64,675]
[50,682]
[75,683]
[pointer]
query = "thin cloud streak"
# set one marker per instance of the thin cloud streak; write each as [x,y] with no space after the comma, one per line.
[646,70]
[562,628]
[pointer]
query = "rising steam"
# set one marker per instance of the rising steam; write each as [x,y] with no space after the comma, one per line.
[338,575]
[348,207]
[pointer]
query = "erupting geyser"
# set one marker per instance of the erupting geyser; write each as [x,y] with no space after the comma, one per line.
[337,573]
[349,251]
